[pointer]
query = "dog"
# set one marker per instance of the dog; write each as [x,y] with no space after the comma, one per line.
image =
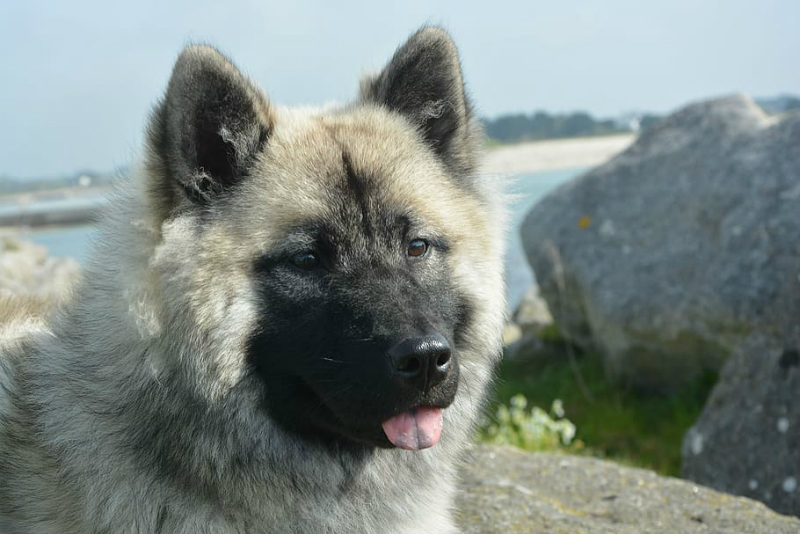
[288,322]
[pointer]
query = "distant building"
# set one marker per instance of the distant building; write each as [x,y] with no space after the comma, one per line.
[629,121]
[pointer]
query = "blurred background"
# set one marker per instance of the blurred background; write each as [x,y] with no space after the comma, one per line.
[665,246]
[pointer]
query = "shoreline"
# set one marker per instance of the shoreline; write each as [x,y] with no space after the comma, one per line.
[21,230]
[552,154]
[62,217]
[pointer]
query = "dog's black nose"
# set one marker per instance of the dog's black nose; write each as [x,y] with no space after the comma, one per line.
[422,361]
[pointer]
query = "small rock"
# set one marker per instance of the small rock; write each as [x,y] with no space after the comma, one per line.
[532,310]
[530,317]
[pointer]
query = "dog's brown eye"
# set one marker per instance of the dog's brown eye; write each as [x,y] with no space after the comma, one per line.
[306,260]
[417,248]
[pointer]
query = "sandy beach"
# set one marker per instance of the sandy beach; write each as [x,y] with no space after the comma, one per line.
[555,154]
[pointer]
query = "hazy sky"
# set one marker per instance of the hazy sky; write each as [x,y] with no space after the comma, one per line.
[78,77]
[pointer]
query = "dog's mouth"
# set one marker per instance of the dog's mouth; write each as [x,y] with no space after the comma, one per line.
[416,429]
[375,410]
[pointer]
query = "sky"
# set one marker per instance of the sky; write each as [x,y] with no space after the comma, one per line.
[78,78]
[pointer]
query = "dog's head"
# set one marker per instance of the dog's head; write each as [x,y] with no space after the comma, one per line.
[342,265]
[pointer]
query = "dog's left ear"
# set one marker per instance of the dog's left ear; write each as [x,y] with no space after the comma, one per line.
[423,83]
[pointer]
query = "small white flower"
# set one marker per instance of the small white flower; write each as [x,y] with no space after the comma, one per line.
[558,408]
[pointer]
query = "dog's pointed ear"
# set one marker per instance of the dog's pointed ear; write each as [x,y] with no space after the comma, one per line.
[206,133]
[423,82]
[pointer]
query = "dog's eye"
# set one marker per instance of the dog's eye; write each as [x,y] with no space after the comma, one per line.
[417,248]
[306,260]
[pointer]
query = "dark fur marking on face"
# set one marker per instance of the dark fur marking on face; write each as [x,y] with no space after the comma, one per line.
[465,313]
[322,345]
[358,186]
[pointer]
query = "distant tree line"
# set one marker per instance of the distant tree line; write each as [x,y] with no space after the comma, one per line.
[779,104]
[541,125]
[518,127]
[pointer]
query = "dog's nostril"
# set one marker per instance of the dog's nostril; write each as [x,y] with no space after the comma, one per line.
[408,365]
[443,358]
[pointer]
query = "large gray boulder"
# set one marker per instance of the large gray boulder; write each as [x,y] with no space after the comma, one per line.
[666,257]
[747,440]
[508,491]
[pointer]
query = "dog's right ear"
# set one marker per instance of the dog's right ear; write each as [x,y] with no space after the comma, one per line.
[207,132]
[423,83]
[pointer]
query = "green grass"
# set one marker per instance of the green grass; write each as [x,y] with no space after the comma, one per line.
[633,427]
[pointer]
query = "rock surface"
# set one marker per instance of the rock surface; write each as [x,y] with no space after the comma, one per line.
[508,491]
[747,440]
[668,256]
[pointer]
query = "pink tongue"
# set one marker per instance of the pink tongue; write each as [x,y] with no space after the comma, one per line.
[417,429]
